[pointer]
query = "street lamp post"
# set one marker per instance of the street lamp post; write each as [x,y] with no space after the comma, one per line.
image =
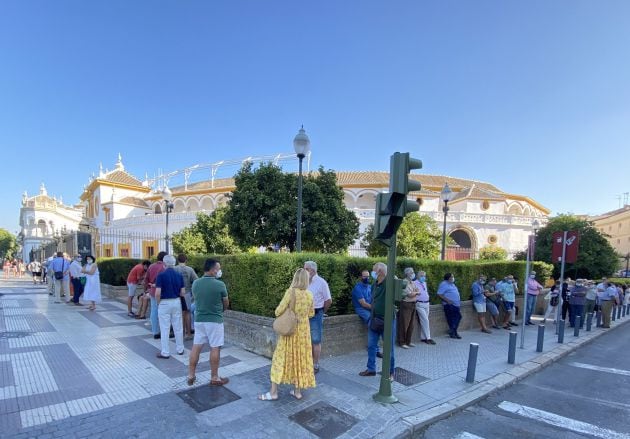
[168,207]
[446,195]
[530,257]
[302,145]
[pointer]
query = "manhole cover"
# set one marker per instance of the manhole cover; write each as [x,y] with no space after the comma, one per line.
[207,397]
[14,334]
[324,420]
[406,377]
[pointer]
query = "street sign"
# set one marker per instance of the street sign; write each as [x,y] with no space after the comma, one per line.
[572,245]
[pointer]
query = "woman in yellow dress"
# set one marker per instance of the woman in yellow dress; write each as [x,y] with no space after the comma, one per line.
[292,361]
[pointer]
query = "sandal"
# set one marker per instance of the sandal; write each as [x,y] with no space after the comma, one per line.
[220,382]
[267,397]
[293,394]
[191,380]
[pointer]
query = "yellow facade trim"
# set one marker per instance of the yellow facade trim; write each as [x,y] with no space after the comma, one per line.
[149,249]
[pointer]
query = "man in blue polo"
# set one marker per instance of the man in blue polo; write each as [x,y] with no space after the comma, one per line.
[59,270]
[169,287]
[362,300]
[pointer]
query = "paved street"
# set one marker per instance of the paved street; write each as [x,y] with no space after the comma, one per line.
[586,394]
[66,371]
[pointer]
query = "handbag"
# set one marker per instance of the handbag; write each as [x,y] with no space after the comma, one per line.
[286,322]
[554,301]
[377,324]
[59,274]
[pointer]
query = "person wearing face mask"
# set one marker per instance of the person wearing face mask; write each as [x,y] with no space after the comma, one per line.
[576,302]
[362,300]
[92,290]
[376,329]
[407,312]
[479,302]
[321,302]
[448,292]
[533,290]
[423,308]
[507,288]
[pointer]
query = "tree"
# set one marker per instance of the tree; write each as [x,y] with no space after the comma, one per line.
[262,210]
[596,257]
[208,235]
[418,237]
[7,244]
[492,253]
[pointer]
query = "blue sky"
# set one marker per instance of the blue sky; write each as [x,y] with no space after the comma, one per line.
[531,96]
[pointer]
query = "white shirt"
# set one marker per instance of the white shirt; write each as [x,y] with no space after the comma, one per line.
[320,290]
[75,269]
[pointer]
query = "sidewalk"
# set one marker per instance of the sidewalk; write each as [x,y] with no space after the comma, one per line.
[68,371]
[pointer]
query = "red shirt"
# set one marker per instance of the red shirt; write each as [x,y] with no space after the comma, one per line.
[136,274]
[152,274]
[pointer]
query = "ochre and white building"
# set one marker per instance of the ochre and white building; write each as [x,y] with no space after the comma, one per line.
[616,226]
[126,215]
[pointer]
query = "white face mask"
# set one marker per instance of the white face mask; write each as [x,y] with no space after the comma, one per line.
[219,274]
[532,276]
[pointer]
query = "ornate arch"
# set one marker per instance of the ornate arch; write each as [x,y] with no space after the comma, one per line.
[192,205]
[472,236]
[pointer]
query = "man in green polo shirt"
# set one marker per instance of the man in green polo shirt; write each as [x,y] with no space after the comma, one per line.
[211,300]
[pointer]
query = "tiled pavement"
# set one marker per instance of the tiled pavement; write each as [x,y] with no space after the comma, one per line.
[66,371]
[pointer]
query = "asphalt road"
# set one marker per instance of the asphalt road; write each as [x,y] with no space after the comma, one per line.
[586,394]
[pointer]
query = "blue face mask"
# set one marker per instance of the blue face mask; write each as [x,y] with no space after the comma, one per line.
[374,275]
[423,278]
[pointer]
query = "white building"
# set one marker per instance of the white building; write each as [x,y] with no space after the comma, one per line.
[128,213]
[43,217]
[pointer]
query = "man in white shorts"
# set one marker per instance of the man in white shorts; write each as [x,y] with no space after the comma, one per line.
[479,302]
[211,300]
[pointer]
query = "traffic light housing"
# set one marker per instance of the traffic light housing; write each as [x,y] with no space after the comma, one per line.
[392,207]
[400,289]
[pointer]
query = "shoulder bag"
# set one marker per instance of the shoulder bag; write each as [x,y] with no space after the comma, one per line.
[286,323]
[59,274]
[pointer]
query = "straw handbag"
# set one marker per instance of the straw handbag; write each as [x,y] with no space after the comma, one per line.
[286,323]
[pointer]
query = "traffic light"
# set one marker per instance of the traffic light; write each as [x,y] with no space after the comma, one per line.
[400,289]
[392,207]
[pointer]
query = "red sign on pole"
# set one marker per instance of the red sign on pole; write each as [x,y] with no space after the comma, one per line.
[572,244]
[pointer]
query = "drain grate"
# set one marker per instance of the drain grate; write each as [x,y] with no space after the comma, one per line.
[14,334]
[324,420]
[406,377]
[206,397]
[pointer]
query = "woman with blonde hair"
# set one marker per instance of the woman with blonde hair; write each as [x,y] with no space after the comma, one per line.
[292,361]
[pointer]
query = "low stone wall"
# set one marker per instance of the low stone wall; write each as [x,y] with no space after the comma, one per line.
[342,334]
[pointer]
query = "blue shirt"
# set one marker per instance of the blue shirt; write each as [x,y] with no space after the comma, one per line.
[507,289]
[59,264]
[449,290]
[361,291]
[170,283]
[477,293]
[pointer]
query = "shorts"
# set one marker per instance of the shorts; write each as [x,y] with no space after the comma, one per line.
[131,289]
[317,326]
[492,308]
[509,306]
[210,333]
[188,299]
[480,307]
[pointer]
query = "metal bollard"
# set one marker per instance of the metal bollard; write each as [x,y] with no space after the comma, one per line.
[628,308]
[614,312]
[619,312]
[512,348]
[472,362]
[599,318]
[541,338]
[561,332]
[576,328]
[589,321]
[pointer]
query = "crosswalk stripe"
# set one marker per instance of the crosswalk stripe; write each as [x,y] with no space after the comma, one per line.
[601,369]
[466,435]
[561,421]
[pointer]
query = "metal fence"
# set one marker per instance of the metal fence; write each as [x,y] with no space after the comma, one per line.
[126,244]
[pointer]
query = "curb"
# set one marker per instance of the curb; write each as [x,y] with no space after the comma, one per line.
[408,426]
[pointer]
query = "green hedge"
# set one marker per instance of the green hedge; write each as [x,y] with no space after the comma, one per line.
[620,280]
[256,282]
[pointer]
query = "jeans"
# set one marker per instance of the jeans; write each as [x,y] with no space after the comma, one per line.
[373,338]
[529,309]
[77,286]
[576,310]
[453,317]
[155,324]
[192,316]
[170,313]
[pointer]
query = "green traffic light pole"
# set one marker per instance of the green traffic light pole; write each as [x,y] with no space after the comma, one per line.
[385,394]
